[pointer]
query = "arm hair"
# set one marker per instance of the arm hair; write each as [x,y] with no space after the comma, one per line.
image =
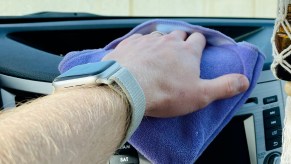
[83,125]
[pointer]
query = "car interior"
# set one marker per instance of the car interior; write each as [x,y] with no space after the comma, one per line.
[31,47]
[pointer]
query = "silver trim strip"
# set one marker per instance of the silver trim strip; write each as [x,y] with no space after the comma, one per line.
[8,99]
[266,76]
[25,85]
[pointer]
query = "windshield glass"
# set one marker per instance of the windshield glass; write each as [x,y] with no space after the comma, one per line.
[188,8]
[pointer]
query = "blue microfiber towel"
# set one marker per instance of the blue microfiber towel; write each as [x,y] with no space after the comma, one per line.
[183,139]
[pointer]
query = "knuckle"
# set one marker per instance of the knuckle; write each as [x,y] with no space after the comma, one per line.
[204,98]
[124,42]
[229,89]
[135,36]
[132,38]
[168,37]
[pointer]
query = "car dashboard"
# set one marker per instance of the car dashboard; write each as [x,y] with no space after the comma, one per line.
[30,52]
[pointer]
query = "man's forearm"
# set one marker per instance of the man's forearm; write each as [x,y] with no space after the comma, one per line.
[66,127]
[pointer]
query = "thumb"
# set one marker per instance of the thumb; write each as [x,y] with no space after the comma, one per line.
[224,87]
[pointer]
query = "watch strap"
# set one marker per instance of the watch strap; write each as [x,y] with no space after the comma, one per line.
[135,96]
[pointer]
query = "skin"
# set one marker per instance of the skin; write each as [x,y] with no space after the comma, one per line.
[86,125]
[164,86]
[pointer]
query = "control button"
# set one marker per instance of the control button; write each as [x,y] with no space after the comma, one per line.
[126,154]
[271,112]
[253,100]
[272,122]
[271,99]
[273,133]
[273,143]
[123,159]
[273,158]
[126,149]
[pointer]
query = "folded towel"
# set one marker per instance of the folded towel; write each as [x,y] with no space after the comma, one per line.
[183,139]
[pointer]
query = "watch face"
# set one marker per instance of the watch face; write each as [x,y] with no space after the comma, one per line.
[85,70]
[87,74]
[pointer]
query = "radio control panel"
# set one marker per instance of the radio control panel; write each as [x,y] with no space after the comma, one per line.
[261,120]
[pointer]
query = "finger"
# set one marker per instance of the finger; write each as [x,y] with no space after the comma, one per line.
[135,36]
[129,39]
[157,33]
[197,41]
[181,35]
[223,87]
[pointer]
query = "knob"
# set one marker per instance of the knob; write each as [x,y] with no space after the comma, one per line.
[273,158]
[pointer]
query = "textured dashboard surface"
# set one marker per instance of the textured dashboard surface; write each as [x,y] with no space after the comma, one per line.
[33,50]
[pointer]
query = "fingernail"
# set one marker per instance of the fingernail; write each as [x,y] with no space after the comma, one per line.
[242,83]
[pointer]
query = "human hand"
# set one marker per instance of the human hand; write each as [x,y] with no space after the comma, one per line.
[167,68]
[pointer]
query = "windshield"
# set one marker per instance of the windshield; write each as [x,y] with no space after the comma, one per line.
[187,8]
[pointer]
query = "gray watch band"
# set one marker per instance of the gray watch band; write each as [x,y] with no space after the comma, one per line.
[113,75]
[135,96]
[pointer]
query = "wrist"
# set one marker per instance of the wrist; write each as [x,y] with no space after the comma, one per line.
[116,94]
[116,77]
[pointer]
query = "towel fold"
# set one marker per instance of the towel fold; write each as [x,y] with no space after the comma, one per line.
[183,139]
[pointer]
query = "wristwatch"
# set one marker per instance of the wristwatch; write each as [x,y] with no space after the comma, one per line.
[116,77]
